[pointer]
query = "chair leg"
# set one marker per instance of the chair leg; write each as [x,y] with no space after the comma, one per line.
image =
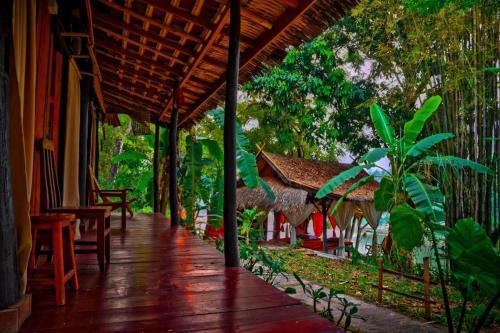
[69,254]
[129,209]
[100,243]
[107,242]
[124,217]
[32,263]
[57,244]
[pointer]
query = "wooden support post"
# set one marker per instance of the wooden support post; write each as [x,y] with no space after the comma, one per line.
[84,134]
[358,231]
[324,208]
[427,293]
[9,278]
[276,226]
[97,147]
[374,245]
[156,206]
[172,166]
[231,253]
[380,280]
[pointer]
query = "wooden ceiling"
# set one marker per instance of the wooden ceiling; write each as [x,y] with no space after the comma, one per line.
[144,47]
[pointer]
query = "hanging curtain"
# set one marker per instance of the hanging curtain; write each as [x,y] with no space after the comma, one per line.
[333,223]
[343,216]
[317,218]
[22,113]
[295,218]
[372,216]
[71,195]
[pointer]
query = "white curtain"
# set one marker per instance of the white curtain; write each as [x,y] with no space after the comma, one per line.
[372,216]
[295,218]
[343,217]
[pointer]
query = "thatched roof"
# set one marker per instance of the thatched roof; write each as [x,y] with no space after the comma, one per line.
[141,48]
[311,175]
[287,198]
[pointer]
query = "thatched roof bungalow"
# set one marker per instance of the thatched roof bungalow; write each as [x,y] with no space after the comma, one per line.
[295,182]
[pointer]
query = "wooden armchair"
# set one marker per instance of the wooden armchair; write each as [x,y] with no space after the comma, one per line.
[51,201]
[95,192]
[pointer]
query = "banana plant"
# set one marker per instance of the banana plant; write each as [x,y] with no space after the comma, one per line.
[413,198]
[245,160]
[191,178]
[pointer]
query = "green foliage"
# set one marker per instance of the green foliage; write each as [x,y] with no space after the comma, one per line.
[382,125]
[259,261]
[407,226]
[473,257]
[248,229]
[125,161]
[192,165]
[416,206]
[338,180]
[292,102]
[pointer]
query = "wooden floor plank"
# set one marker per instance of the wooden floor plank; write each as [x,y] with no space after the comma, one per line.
[163,279]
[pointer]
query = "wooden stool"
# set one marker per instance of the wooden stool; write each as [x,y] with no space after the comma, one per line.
[60,230]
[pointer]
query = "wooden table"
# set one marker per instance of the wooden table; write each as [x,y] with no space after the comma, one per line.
[102,215]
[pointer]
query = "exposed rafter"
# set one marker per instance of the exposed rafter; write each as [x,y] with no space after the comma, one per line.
[181,13]
[211,40]
[171,29]
[266,38]
[110,21]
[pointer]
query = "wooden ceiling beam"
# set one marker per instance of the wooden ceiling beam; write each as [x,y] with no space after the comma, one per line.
[159,24]
[208,44]
[202,21]
[288,18]
[129,91]
[121,103]
[116,94]
[243,39]
[142,33]
[131,67]
[161,87]
[107,30]
[290,3]
[147,94]
[254,17]
[120,54]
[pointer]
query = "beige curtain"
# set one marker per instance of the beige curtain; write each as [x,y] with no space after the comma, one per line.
[343,217]
[71,196]
[22,96]
[295,218]
[372,216]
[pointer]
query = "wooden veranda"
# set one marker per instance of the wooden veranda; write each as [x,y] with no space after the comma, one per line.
[164,279]
[68,66]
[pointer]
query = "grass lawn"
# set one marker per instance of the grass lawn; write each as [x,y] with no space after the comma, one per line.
[357,279]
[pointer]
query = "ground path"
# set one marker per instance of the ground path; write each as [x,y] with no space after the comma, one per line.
[377,318]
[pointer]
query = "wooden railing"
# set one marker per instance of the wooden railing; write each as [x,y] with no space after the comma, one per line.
[425,280]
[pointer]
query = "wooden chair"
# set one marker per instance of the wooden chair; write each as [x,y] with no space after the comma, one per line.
[95,192]
[51,202]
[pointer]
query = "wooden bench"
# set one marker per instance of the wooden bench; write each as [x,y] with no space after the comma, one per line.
[51,202]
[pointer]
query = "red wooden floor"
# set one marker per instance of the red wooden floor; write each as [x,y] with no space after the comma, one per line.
[164,279]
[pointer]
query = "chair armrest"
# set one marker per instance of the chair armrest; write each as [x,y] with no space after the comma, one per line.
[107,194]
